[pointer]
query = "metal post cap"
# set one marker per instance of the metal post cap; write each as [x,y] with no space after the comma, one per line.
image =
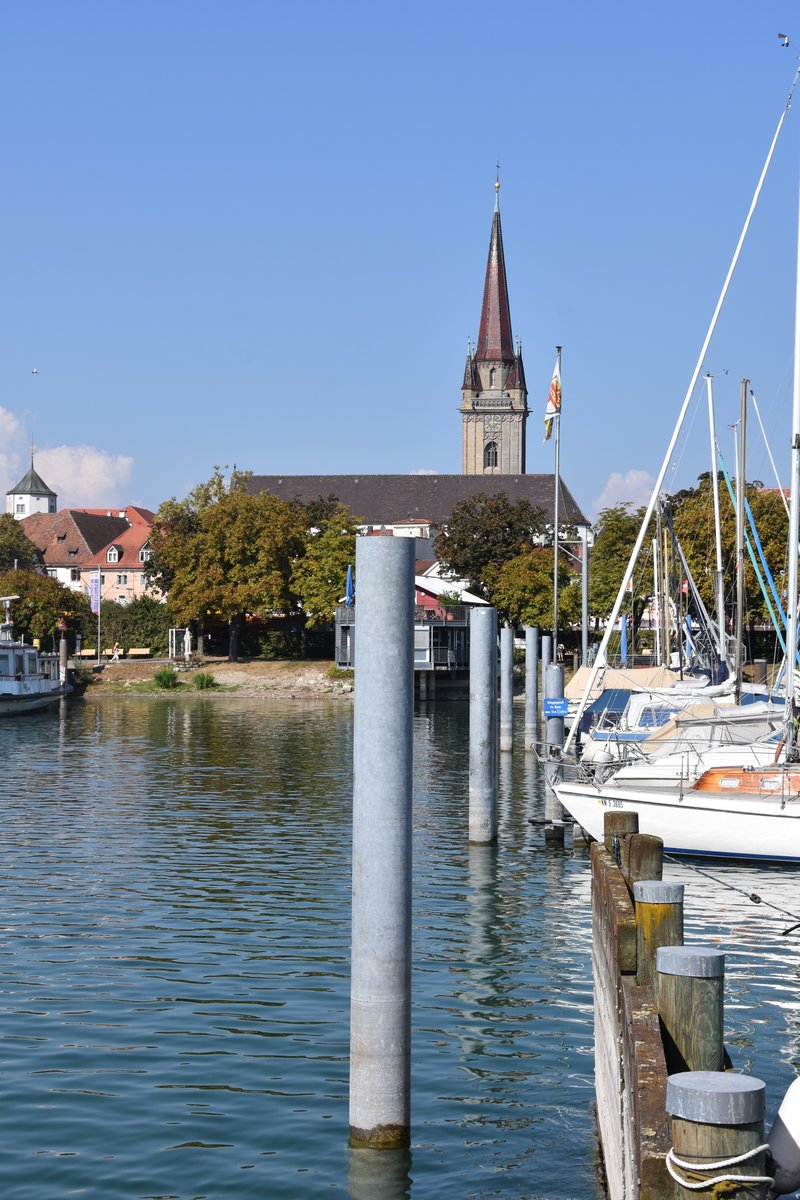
[653,891]
[700,962]
[716,1097]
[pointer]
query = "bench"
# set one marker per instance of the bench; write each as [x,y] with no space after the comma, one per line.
[138,652]
[90,653]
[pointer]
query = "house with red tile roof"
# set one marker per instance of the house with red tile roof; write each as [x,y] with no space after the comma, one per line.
[76,543]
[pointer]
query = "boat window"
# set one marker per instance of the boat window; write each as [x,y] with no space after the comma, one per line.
[5,665]
[31,666]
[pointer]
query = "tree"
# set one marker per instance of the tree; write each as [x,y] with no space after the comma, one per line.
[17,551]
[522,589]
[485,532]
[319,576]
[42,603]
[227,552]
[615,534]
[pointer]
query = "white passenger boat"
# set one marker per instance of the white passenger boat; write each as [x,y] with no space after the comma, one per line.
[28,680]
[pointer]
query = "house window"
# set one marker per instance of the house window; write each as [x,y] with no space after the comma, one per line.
[21,507]
[122,581]
[490,454]
[75,574]
[113,555]
[102,581]
[144,554]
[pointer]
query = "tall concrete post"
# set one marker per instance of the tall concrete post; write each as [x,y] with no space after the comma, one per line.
[506,688]
[380,990]
[483,725]
[583,532]
[63,658]
[547,654]
[531,687]
[553,811]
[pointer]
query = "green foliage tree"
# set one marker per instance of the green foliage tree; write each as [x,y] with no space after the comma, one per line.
[16,550]
[522,589]
[694,527]
[41,605]
[143,622]
[319,576]
[615,534]
[484,532]
[227,552]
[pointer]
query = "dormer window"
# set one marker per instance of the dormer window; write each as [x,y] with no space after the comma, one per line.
[112,555]
[144,554]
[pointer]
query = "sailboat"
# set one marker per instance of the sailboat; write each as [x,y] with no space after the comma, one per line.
[741,802]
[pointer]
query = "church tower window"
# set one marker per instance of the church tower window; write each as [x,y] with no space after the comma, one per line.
[490,455]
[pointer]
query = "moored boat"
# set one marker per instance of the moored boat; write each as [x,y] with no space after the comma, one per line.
[29,680]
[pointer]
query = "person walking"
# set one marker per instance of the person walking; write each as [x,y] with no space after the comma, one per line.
[115,652]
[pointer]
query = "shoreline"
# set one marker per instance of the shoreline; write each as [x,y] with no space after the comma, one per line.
[248,678]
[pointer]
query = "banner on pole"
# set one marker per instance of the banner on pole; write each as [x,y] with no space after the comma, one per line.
[94,593]
[553,400]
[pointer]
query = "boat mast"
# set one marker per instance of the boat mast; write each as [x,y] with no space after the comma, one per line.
[676,432]
[719,577]
[740,489]
[790,733]
[657,599]
[557,481]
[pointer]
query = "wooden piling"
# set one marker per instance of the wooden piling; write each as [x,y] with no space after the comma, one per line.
[717,1116]
[689,994]
[645,857]
[617,823]
[659,922]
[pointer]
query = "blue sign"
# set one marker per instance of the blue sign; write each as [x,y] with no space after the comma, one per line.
[555,706]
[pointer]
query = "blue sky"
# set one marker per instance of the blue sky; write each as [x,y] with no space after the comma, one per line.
[256,233]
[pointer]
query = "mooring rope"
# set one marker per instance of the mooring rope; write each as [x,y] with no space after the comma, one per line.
[753,897]
[698,1168]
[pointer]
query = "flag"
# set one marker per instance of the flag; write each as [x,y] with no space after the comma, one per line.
[553,400]
[95,593]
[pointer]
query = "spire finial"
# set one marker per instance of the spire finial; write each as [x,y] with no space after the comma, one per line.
[497,188]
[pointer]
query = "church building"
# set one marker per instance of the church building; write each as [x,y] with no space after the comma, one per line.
[494,414]
[494,398]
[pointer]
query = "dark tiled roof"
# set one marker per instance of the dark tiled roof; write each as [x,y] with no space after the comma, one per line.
[31,484]
[385,499]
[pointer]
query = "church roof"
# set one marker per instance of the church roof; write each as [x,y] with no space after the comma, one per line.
[31,484]
[387,499]
[495,343]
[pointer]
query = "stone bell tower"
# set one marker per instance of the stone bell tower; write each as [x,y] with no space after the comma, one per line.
[494,398]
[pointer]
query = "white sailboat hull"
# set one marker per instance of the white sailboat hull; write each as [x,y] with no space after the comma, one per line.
[708,824]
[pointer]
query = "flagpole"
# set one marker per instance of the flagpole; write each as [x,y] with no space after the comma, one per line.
[555,513]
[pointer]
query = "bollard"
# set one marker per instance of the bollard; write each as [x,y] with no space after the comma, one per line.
[547,654]
[760,672]
[380,990]
[554,770]
[689,996]
[644,857]
[483,725]
[717,1117]
[506,688]
[531,687]
[617,824]
[659,922]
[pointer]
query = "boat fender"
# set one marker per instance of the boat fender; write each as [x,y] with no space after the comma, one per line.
[778,750]
[784,1143]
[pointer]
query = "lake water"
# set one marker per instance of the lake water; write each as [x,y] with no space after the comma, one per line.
[174,957]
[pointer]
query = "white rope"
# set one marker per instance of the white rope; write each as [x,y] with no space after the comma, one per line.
[671,1158]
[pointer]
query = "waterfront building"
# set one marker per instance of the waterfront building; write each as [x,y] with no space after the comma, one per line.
[77,542]
[31,495]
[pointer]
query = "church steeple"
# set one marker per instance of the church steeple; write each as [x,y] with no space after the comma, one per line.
[495,342]
[494,398]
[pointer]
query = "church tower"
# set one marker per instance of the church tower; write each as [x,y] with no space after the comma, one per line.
[494,398]
[31,495]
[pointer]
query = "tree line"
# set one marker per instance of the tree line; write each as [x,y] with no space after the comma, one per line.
[224,556]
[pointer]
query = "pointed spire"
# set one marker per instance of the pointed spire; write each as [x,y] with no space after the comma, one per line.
[495,343]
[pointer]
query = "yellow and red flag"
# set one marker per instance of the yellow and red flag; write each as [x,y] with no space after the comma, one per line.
[553,400]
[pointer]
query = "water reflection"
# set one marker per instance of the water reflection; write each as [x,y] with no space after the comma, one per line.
[379,1174]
